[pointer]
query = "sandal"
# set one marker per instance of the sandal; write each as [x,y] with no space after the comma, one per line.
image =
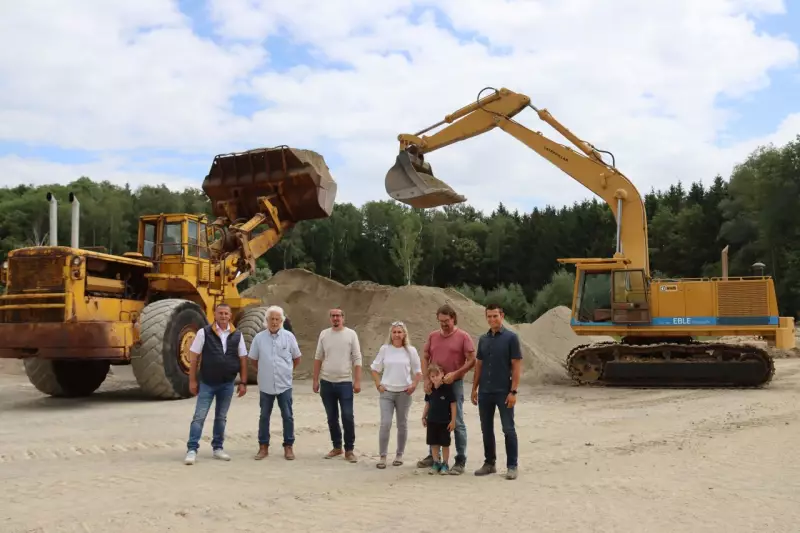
[397,461]
[382,463]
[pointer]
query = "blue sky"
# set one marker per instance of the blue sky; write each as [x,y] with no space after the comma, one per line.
[759,114]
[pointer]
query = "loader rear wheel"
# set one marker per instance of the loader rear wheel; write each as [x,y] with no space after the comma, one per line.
[160,360]
[66,379]
[252,321]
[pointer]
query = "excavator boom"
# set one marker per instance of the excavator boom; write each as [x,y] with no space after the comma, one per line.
[658,321]
[411,179]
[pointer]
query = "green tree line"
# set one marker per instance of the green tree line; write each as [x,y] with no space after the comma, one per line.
[505,256]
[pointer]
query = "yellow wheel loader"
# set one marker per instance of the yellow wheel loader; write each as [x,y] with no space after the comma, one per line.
[658,321]
[70,313]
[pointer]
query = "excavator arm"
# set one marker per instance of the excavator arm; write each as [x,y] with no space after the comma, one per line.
[411,179]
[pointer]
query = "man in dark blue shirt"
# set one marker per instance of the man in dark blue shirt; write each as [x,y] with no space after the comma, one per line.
[497,372]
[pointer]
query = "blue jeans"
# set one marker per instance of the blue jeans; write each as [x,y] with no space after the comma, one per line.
[460,432]
[335,396]
[205,395]
[267,401]
[487,402]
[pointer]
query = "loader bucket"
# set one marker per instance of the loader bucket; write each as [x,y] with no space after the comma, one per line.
[298,182]
[413,183]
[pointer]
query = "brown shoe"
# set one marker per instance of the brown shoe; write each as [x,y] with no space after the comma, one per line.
[334,453]
[263,451]
[288,453]
[350,456]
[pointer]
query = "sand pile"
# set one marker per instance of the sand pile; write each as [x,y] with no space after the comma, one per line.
[370,309]
[551,338]
[13,367]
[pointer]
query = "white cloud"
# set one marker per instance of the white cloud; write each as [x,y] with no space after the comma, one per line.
[641,79]
[41,172]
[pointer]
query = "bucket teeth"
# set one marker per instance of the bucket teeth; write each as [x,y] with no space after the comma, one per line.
[298,182]
[412,182]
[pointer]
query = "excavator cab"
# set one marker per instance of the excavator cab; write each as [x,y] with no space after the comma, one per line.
[411,181]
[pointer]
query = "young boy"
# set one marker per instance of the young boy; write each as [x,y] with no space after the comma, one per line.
[439,417]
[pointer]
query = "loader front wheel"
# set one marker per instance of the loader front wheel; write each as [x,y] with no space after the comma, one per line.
[252,321]
[66,379]
[160,360]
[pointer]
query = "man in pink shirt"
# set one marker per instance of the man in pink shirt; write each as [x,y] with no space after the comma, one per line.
[452,349]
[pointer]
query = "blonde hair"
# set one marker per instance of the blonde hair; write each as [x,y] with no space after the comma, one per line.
[401,325]
[433,368]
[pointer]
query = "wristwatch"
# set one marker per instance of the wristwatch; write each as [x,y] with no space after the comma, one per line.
[514,392]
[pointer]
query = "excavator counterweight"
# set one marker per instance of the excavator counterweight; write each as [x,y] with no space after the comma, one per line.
[412,182]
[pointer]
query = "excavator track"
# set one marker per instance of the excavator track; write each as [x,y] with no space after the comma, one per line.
[668,364]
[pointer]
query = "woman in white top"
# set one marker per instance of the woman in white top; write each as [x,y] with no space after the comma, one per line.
[395,360]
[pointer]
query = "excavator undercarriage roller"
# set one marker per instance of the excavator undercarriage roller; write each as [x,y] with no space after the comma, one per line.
[411,181]
[668,364]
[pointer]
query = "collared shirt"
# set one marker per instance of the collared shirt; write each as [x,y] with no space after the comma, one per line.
[275,353]
[495,352]
[200,340]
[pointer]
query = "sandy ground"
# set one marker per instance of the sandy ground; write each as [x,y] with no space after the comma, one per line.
[591,460]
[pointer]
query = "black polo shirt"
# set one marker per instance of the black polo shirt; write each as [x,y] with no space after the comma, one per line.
[495,352]
[440,400]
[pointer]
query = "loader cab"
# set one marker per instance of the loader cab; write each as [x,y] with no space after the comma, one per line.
[177,244]
[607,293]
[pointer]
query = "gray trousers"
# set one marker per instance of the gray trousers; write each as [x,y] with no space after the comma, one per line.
[391,402]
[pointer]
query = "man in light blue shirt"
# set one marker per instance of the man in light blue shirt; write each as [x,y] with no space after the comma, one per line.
[275,354]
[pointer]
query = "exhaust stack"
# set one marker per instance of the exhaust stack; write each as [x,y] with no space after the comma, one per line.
[53,219]
[76,221]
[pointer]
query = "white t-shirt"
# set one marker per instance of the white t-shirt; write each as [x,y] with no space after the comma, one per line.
[396,365]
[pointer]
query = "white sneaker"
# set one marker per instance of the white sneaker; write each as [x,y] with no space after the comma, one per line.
[191,455]
[220,454]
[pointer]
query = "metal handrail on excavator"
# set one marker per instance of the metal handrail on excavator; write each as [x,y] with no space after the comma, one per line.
[411,179]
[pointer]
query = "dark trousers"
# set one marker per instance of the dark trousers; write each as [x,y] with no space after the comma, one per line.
[337,396]
[267,401]
[487,403]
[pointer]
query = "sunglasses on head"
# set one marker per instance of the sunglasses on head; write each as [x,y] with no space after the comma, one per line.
[397,323]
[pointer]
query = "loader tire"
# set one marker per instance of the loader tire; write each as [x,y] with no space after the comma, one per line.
[66,379]
[160,360]
[252,321]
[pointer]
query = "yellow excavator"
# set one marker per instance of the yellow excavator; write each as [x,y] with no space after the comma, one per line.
[70,312]
[662,324]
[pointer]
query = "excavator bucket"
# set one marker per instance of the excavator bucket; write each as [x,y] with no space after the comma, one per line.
[297,182]
[411,181]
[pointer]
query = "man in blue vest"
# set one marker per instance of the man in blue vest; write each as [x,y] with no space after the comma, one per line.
[223,354]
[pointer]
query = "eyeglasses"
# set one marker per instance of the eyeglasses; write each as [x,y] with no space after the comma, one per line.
[397,323]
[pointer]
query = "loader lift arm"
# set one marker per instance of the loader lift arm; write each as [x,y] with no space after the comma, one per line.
[496,111]
[257,196]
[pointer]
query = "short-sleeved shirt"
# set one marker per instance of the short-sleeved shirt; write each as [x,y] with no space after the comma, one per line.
[200,340]
[495,352]
[449,352]
[275,353]
[396,365]
[440,400]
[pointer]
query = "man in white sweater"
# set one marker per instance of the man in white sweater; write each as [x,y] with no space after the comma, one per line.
[337,376]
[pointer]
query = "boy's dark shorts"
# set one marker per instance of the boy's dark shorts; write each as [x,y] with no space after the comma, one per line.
[438,434]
